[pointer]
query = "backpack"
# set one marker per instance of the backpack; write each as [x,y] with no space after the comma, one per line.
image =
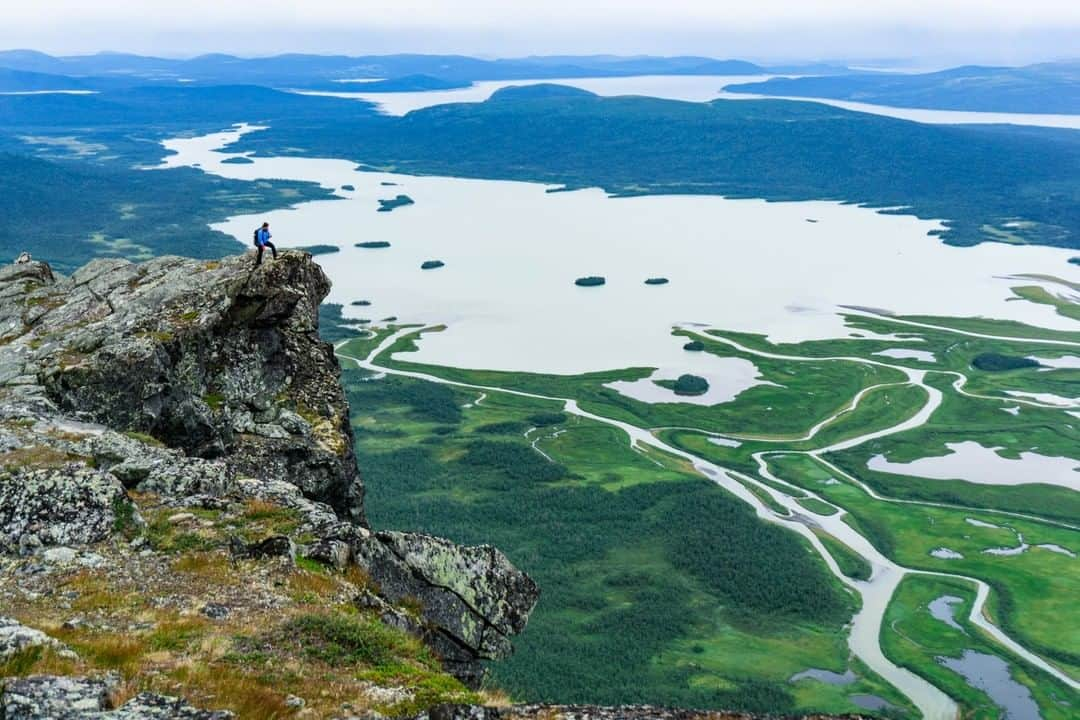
[255,239]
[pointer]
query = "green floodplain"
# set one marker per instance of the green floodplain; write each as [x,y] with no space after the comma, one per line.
[660,586]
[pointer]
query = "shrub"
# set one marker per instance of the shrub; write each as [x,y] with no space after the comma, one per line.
[691,385]
[996,362]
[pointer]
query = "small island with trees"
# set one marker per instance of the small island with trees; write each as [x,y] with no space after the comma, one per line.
[373,244]
[360,303]
[686,385]
[656,281]
[238,160]
[996,362]
[319,249]
[348,188]
[590,281]
[396,202]
[432,264]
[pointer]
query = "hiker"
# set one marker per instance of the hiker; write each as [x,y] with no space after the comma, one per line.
[262,241]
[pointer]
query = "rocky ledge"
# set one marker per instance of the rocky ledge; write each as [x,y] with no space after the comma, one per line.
[181,513]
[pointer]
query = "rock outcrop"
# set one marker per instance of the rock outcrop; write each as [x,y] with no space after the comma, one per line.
[212,358]
[204,385]
[65,698]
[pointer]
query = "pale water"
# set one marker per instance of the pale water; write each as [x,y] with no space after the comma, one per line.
[976,463]
[512,253]
[908,354]
[693,88]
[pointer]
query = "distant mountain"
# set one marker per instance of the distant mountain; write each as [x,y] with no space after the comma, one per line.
[25,81]
[1045,88]
[295,70]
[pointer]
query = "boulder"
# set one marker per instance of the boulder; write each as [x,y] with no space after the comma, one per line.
[473,596]
[69,505]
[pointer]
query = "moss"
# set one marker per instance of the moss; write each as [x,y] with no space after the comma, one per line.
[161,336]
[124,519]
[144,438]
[40,456]
[340,638]
[214,400]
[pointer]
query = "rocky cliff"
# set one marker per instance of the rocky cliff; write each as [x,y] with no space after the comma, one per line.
[180,504]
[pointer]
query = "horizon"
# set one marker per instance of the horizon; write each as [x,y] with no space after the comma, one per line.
[949,32]
[899,64]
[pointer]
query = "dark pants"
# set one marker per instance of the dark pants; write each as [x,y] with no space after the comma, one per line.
[267,244]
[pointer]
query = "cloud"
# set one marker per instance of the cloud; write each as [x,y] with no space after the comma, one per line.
[515,27]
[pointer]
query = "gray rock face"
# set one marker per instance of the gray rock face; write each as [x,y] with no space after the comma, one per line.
[75,698]
[70,505]
[215,358]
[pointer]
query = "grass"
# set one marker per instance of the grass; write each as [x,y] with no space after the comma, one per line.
[1034,590]
[850,562]
[915,639]
[801,393]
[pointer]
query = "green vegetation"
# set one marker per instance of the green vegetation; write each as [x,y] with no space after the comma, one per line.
[432,264]
[68,213]
[320,249]
[686,385]
[919,639]
[657,281]
[373,244]
[238,160]
[590,281]
[1033,590]
[996,362]
[723,608]
[850,562]
[694,346]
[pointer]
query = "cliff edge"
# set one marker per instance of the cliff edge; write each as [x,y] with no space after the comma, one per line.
[181,511]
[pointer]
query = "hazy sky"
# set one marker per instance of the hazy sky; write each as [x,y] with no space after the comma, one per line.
[949,30]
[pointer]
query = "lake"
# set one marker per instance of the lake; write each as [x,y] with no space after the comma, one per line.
[692,88]
[512,251]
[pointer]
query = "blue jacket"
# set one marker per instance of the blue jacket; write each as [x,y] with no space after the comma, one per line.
[263,236]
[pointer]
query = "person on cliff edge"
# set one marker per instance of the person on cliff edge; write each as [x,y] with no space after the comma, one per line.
[262,241]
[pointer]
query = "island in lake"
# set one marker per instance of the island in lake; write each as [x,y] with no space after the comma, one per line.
[590,281]
[996,362]
[656,281]
[373,244]
[686,385]
[432,264]
[319,249]
[348,188]
[396,202]
[360,303]
[238,160]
